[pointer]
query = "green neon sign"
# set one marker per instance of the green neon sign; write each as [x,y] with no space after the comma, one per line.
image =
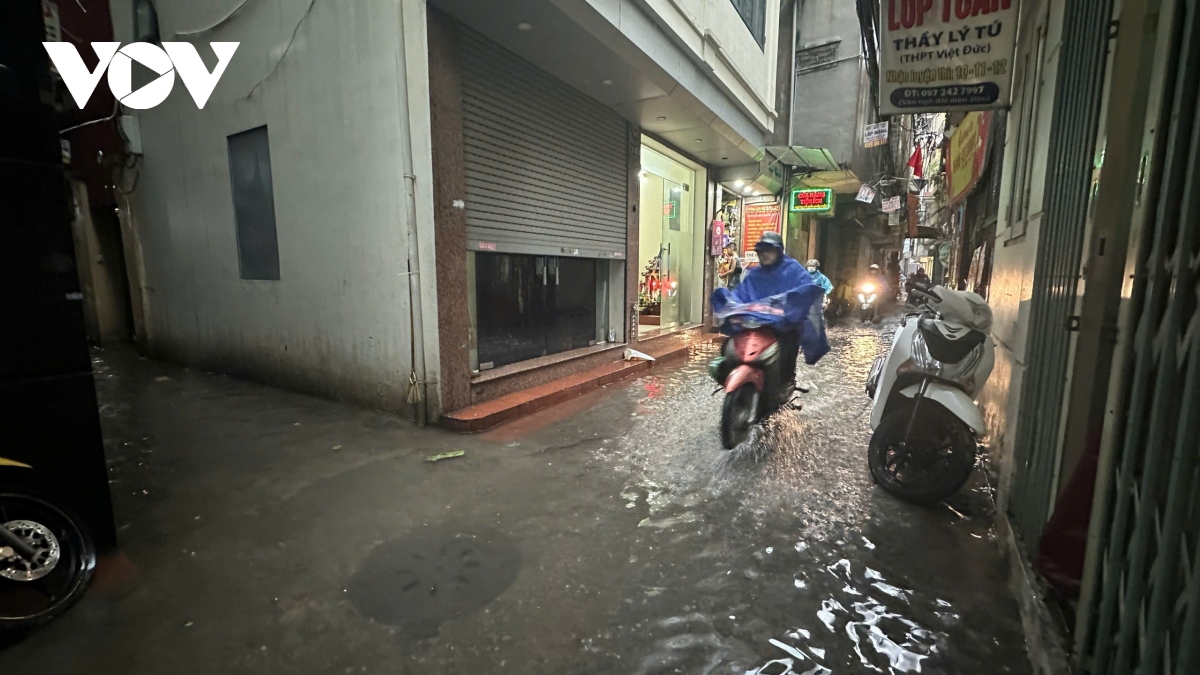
[811,200]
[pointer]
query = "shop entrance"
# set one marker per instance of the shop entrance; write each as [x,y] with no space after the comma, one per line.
[670,258]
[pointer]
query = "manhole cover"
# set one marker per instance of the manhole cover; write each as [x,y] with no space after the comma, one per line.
[431,575]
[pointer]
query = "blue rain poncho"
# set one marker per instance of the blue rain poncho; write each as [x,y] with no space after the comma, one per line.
[780,296]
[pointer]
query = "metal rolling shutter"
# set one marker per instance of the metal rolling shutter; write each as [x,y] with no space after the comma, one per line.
[1076,116]
[547,167]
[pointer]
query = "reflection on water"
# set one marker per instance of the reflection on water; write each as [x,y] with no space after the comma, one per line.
[780,549]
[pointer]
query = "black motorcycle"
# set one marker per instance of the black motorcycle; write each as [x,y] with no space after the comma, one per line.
[47,557]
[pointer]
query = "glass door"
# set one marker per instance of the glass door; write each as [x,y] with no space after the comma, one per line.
[671,253]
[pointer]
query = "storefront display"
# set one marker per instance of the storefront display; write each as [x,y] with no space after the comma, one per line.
[671,241]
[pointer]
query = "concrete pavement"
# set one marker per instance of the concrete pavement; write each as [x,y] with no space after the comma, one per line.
[269,532]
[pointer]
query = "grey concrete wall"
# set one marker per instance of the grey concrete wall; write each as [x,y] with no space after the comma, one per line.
[337,322]
[826,100]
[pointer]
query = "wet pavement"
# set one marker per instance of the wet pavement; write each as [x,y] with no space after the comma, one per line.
[268,532]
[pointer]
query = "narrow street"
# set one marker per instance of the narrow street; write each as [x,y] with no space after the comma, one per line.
[284,534]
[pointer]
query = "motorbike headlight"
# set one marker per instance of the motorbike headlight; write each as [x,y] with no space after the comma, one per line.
[868,288]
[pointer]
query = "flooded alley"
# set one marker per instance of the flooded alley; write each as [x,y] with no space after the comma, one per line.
[264,531]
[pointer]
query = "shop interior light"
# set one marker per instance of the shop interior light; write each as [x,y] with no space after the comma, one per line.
[738,183]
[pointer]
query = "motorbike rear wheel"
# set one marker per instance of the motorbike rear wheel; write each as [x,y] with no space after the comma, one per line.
[936,461]
[33,592]
[737,415]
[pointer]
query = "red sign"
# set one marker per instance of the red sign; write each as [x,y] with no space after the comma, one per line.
[718,237]
[756,219]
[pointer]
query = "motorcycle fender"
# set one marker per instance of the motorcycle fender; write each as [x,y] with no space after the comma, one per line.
[744,374]
[954,400]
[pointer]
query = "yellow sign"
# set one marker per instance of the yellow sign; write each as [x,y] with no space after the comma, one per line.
[967,153]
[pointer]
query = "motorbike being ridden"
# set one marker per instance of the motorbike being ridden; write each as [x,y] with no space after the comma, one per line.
[753,368]
[46,554]
[770,317]
[924,417]
[868,302]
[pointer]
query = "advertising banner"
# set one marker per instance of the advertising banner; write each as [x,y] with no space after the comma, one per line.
[875,135]
[756,219]
[968,154]
[946,55]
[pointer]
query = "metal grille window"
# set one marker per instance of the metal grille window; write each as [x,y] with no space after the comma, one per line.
[1148,571]
[1076,116]
[754,15]
[254,204]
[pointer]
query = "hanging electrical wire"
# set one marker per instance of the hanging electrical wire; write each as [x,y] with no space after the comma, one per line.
[214,26]
[286,51]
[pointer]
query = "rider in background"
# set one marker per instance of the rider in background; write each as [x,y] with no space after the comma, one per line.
[814,268]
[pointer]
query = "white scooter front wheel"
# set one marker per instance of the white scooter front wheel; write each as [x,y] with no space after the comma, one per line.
[924,462]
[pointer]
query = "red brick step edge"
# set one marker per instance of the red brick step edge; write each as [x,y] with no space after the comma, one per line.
[483,416]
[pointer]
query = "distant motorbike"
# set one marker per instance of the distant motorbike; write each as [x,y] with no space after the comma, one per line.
[924,418]
[911,299]
[840,303]
[46,554]
[868,302]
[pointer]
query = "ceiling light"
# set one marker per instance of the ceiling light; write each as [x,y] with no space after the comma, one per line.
[607,83]
[738,183]
[748,190]
[662,118]
[524,25]
[699,140]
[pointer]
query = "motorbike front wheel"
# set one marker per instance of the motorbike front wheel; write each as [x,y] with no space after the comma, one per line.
[737,415]
[34,591]
[933,464]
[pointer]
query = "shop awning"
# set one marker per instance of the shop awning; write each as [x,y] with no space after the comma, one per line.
[808,159]
[842,181]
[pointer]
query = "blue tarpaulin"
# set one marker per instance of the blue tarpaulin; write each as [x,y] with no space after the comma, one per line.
[779,296]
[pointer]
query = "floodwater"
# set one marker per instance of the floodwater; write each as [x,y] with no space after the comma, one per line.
[264,531]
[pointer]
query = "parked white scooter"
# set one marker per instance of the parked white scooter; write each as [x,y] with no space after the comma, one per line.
[925,419]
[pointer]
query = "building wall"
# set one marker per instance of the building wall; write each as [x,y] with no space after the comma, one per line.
[722,66]
[1014,257]
[337,323]
[825,98]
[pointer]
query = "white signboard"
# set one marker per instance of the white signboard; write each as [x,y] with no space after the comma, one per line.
[893,220]
[946,55]
[875,134]
[891,204]
[865,195]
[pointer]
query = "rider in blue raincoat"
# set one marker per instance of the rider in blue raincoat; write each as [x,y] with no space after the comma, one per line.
[778,292]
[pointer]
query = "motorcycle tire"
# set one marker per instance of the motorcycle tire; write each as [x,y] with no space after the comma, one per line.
[737,415]
[32,594]
[945,448]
